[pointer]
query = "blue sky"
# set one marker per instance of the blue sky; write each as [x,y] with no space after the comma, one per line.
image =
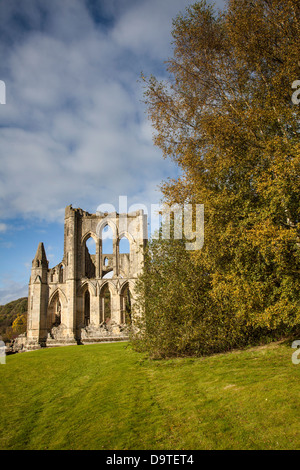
[74,129]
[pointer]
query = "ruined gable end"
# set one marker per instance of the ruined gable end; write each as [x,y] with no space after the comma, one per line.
[89,296]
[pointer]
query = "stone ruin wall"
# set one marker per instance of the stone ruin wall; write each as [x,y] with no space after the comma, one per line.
[86,297]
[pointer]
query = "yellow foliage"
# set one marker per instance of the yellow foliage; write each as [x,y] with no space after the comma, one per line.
[227,120]
[19,324]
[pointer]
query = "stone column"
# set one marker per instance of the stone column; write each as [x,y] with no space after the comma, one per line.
[71,248]
[98,258]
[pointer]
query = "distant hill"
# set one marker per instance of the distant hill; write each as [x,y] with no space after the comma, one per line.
[8,313]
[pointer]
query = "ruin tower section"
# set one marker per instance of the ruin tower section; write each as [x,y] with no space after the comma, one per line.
[89,296]
[38,295]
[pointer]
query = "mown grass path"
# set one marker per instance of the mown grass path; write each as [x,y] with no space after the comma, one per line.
[107,396]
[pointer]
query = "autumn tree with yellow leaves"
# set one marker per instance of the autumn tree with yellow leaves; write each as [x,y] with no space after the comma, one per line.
[226,118]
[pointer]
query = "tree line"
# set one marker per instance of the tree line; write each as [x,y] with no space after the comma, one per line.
[226,118]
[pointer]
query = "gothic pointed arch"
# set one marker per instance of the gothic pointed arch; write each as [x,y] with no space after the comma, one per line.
[88,254]
[61,273]
[88,235]
[107,221]
[125,304]
[124,245]
[87,284]
[85,292]
[61,295]
[56,308]
[127,235]
[105,299]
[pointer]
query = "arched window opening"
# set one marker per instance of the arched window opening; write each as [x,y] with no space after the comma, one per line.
[86,308]
[125,300]
[124,257]
[124,246]
[57,315]
[54,312]
[90,258]
[91,246]
[105,261]
[107,240]
[61,273]
[105,305]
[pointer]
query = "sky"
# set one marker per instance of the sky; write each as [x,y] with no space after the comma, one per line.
[74,128]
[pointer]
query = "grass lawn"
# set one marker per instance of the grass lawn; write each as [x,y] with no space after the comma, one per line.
[107,396]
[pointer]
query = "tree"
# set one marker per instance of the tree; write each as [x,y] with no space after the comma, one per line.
[226,118]
[8,314]
[19,324]
[177,314]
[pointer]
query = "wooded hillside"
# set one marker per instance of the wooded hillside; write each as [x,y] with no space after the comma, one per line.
[13,317]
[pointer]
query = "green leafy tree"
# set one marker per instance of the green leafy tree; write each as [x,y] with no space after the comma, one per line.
[8,314]
[226,118]
[171,299]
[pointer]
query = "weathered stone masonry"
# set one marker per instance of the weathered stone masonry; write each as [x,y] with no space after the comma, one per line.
[75,302]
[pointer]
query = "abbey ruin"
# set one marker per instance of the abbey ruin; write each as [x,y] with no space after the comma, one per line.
[87,297]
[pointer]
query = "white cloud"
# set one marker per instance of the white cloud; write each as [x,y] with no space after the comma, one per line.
[11,291]
[73,129]
[145,27]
